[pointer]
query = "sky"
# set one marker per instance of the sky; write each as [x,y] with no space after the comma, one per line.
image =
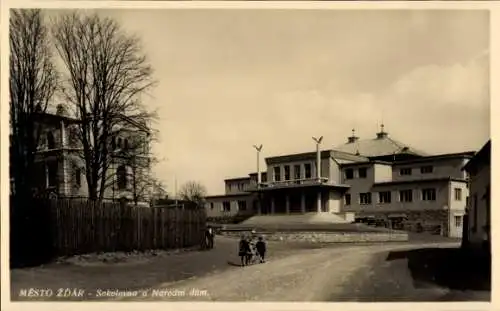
[230,79]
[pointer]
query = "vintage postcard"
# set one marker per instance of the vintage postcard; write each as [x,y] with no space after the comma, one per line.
[247,152]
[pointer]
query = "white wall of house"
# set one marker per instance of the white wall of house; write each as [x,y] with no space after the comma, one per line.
[334,202]
[433,168]
[227,206]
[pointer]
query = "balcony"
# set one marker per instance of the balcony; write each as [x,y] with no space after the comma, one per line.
[294,183]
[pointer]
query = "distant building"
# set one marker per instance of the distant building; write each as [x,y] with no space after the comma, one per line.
[60,169]
[479,215]
[379,180]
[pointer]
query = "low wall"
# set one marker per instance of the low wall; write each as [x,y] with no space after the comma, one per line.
[329,237]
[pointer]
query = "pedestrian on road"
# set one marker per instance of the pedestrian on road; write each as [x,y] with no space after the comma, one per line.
[244,250]
[261,249]
[209,236]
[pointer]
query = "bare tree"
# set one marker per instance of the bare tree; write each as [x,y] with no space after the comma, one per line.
[137,156]
[107,74]
[33,83]
[194,192]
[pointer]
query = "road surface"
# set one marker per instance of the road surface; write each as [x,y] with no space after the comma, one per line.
[354,273]
[293,273]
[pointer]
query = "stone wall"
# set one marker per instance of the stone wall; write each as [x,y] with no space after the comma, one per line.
[330,237]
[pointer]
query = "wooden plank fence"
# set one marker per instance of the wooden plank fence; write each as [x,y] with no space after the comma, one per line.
[80,226]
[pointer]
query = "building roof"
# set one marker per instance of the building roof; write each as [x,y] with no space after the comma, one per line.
[338,155]
[381,145]
[446,156]
[238,178]
[228,196]
[483,157]
[52,117]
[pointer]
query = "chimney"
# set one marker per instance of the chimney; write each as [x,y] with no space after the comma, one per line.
[382,133]
[60,110]
[352,138]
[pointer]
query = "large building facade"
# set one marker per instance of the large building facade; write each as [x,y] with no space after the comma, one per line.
[60,169]
[379,180]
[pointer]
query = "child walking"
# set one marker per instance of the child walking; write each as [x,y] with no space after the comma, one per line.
[244,250]
[261,248]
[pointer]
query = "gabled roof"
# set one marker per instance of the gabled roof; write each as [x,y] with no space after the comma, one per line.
[483,157]
[380,146]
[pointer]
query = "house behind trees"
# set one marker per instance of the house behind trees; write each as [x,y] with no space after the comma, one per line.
[60,169]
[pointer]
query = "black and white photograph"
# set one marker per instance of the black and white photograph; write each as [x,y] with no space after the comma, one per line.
[258,154]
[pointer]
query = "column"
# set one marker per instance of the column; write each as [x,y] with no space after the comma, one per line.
[63,171]
[318,208]
[272,205]
[287,204]
[302,203]
[63,135]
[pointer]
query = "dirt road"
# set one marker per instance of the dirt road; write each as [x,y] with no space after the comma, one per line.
[317,275]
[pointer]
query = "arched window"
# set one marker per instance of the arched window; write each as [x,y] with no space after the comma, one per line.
[51,143]
[121,177]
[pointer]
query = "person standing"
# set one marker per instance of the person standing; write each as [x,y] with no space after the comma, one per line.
[209,236]
[244,250]
[261,249]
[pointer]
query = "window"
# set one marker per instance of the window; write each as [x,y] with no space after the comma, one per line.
[264,177]
[242,205]
[125,144]
[406,195]
[347,199]
[426,169]
[296,172]
[405,171]
[362,172]
[458,221]
[365,198]
[119,143]
[384,197]
[287,172]
[226,206]
[277,173]
[113,143]
[349,174]
[467,201]
[121,177]
[307,169]
[78,177]
[211,205]
[458,194]
[429,194]
[51,143]
[52,171]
